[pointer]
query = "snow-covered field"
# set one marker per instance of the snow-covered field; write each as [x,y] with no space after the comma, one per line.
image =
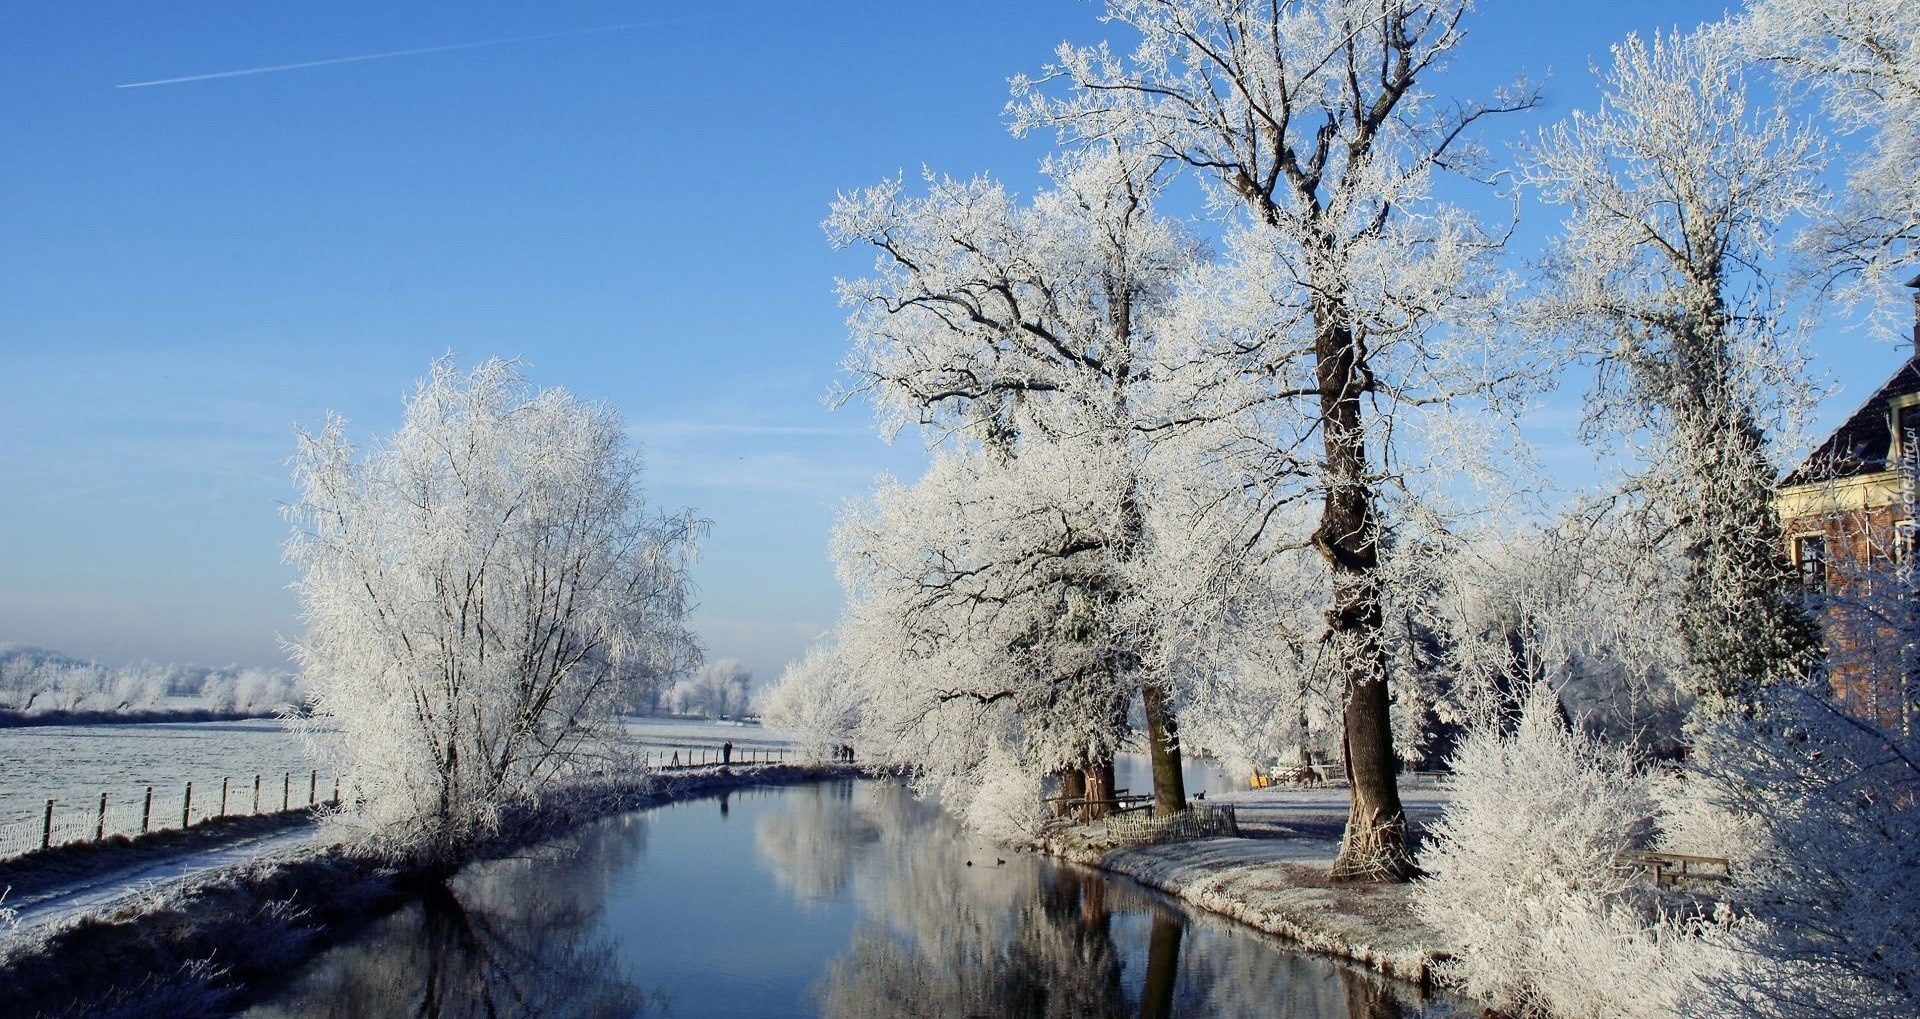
[73,764]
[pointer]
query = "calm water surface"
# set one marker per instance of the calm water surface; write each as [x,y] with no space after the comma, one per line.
[850,899]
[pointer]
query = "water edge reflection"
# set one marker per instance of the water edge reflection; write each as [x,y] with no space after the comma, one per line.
[844,900]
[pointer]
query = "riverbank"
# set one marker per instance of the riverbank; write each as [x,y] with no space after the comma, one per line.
[192,947]
[11,719]
[1274,877]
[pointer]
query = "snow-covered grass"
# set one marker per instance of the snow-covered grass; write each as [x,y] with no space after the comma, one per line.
[1277,881]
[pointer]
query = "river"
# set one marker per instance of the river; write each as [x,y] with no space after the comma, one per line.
[848,899]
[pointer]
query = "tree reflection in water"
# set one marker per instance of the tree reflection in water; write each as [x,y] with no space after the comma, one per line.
[505,939]
[850,900]
[1030,938]
[813,840]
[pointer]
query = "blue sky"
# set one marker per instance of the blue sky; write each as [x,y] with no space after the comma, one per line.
[189,270]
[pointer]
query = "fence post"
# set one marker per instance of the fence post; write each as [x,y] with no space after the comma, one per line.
[46,829]
[223,797]
[336,790]
[146,813]
[186,807]
[286,790]
[256,794]
[100,826]
[313,786]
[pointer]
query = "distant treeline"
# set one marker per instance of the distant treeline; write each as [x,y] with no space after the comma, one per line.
[42,687]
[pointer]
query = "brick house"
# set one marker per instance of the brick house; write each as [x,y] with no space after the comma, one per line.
[1848,515]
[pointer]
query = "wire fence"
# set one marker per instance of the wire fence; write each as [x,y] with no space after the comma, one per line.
[65,821]
[162,808]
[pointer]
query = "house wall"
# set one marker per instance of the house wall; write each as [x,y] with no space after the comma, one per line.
[1868,612]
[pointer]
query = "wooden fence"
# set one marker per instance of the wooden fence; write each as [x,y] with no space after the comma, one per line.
[64,823]
[705,757]
[159,809]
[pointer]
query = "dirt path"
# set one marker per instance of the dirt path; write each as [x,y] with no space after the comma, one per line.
[91,879]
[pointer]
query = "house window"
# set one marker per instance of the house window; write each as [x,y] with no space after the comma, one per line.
[1906,421]
[1811,553]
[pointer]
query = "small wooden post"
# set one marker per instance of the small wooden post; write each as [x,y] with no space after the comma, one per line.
[186,807]
[100,826]
[336,790]
[313,785]
[256,794]
[146,813]
[223,797]
[286,790]
[46,829]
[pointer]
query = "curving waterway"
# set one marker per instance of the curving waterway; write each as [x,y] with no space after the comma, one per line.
[850,899]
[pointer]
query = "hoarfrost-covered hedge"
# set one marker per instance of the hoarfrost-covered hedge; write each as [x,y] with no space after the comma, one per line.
[1523,883]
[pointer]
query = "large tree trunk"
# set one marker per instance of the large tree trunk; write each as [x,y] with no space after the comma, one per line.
[1099,789]
[1073,786]
[1163,749]
[1375,845]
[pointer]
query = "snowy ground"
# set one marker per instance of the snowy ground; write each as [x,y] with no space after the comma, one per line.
[74,764]
[38,905]
[1275,876]
[47,899]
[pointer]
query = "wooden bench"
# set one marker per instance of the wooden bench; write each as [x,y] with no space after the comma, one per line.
[1120,803]
[1671,870]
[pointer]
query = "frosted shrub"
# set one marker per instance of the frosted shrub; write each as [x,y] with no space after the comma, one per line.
[1006,806]
[1834,884]
[1523,883]
[1696,817]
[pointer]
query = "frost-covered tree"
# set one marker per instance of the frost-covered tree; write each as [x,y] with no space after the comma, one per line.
[1312,123]
[480,592]
[817,701]
[1022,337]
[974,627]
[720,689]
[1578,606]
[1676,186]
[1861,58]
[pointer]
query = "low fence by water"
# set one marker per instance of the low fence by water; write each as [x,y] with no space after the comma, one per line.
[1198,821]
[65,822]
[701,757]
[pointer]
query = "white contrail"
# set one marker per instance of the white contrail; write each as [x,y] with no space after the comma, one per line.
[403,53]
